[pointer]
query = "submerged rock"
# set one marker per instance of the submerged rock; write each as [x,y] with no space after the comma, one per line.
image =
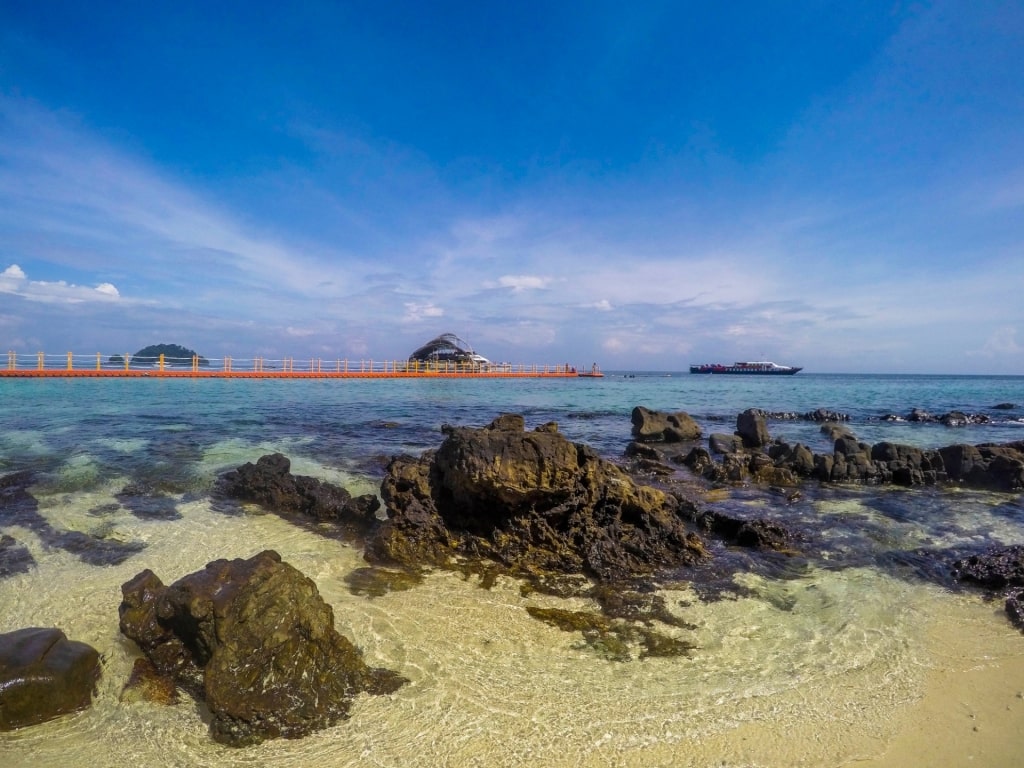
[148,502]
[758,532]
[996,569]
[44,675]
[254,640]
[147,684]
[616,640]
[19,507]
[532,501]
[1000,570]
[270,483]
[14,556]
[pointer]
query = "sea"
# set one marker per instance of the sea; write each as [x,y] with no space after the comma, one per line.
[854,649]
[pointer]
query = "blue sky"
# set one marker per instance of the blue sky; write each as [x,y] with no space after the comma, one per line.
[828,184]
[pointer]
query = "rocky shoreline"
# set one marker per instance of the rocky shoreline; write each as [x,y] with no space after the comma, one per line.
[253,640]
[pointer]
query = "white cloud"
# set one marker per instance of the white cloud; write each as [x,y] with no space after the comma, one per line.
[414,312]
[14,280]
[604,305]
[1002,342]
[108,289]
[614,344]
[520,283]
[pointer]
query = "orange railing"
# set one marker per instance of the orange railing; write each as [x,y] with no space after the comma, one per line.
[40,364]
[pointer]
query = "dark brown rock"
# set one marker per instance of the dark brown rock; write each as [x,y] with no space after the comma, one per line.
[255,641]
[759,532]
[532,501]
[834,431]
[796,457]
[699,460]
[44,675]
[270,483]
[996,467]
[656,426]
[997,569]
[752,428]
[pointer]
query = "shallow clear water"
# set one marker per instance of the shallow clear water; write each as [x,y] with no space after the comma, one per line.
[830,644]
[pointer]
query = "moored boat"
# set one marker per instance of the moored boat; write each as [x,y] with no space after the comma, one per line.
[753,368]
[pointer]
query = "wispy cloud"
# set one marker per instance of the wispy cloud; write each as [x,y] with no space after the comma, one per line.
[416,312]
[520,283]
[106,211]
[1001,343]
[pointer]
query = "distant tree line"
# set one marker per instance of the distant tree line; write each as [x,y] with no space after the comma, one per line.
[174,354]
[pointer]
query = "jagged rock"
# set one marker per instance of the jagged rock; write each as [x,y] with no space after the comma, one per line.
[752,428]
[996,467]
[532,501]
[794,456]
[997,569]
[851,461]
[655,426]
[269,482]
[255,641]
[701,463]
[823,414]
[908,465]
[44,675]
[751,454]
[951,419]
[735,467]
[698,460]
[639,450]
[1000,570]
[759,532]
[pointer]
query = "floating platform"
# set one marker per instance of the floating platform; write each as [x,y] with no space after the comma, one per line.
[134,374]
[98,366]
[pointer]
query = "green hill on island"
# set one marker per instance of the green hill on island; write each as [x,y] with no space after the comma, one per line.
[174,354]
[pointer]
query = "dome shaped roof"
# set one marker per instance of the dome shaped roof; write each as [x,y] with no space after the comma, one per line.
[447,346]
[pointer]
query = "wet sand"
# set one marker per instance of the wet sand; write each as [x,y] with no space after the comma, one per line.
[969,712]
[972,710]
[847,667]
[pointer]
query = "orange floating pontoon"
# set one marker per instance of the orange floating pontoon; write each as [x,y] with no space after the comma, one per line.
[40,365]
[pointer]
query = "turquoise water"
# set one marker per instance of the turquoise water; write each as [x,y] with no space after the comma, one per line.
[353,419]
[121,472]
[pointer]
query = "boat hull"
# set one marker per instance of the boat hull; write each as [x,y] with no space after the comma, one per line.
[746,369]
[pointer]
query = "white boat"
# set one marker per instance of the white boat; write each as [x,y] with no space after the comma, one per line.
[751,368]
